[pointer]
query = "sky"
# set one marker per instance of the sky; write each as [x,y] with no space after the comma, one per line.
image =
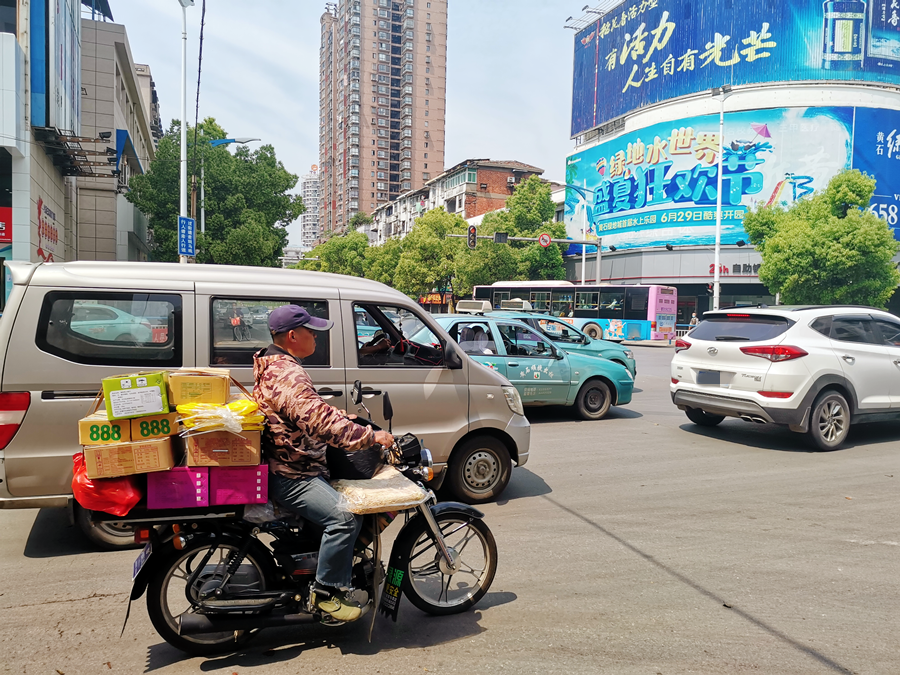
[509,74]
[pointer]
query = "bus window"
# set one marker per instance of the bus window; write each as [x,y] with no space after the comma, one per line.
[636,300]
[586,301]
[612,304]
[540,302]
[499,296]
[562,304]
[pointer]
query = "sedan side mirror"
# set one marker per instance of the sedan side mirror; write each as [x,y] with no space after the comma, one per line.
[559,355]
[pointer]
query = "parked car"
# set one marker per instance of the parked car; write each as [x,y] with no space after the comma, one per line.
[816,370]
[471,418]
[571,339]
[109,324]
[543,373]
[260,314]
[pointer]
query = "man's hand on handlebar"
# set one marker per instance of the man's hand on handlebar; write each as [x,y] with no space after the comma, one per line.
[384,439]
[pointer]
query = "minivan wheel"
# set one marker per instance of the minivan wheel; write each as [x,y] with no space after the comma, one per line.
[593,331]
[703,418]
[594,400]
[109,536]
[479,470]
[830,421]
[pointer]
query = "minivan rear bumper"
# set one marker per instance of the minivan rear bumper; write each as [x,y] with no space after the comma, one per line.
[728,406]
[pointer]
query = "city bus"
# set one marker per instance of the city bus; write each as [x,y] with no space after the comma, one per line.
[607,311]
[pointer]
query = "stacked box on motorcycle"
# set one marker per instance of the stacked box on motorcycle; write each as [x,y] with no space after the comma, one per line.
[223,448]
[238,485]
[179,488]
[201,385]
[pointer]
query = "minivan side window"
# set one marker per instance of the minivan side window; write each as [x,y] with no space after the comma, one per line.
[398,339]
[112,329]
[239,327]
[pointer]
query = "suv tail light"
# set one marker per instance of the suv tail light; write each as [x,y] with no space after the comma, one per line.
[13,406]
[775,352]
[681,345]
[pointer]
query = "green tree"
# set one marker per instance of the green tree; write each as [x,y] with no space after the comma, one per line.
[248,204]
[359,221]
[345,254]
[428,259]
[827,249]
[381,261]
[489,262]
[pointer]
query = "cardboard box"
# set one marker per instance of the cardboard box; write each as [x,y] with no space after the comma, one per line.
[223,448]
[135,395]
[98,429]
[125,459]
[209,385]
[238,485]
[156,426]
[178,488]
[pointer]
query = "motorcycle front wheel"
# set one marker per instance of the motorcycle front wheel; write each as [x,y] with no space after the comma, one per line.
[431,584]
[168,593]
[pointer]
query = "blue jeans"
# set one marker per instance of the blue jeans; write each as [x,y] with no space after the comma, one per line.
[316,501]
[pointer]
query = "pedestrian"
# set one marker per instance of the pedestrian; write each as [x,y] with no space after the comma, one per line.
[694,320]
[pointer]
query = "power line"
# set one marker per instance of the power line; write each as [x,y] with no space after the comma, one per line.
[199,68]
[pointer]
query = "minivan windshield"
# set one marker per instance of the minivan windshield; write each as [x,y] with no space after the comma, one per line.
[740,328]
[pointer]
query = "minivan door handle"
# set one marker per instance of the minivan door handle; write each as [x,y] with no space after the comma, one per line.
[848,358]
[897,362]
[371,392]
[329,392]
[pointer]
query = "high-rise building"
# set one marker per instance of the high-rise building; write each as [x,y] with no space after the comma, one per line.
[382,98]
[309,219]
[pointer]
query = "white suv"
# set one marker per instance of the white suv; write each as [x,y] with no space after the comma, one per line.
[815,369]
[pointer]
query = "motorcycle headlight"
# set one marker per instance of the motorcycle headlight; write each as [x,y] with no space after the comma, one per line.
[513,400]
[629,354]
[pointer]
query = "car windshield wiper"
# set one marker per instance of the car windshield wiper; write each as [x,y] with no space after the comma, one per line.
[731,338]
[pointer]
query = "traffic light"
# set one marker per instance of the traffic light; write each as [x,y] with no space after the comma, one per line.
[709,289]
[473,236]
[501,237]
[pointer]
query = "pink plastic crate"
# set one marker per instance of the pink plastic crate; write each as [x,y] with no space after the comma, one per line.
[178,488]
[238,484]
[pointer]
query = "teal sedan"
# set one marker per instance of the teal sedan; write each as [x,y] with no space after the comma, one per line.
[542,373]
[570,339]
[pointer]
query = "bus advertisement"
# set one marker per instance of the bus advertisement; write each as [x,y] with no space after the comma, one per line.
[609,312]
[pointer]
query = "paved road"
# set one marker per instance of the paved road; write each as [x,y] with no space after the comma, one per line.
[637,544]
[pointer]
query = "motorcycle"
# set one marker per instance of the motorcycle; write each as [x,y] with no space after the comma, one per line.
[213,578]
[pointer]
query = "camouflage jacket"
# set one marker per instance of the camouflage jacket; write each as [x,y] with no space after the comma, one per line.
[300,425]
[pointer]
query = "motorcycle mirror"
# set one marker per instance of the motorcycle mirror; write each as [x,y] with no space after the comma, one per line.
[388,408]
[356,392]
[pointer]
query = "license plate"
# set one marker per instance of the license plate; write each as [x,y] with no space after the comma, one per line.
[142,560]
[708,377]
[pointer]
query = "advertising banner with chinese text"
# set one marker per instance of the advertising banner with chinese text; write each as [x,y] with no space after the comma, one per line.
[647,51]
[658,185]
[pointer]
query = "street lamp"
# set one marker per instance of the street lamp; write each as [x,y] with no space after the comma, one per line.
[721,93]
[182,208]
[214,144]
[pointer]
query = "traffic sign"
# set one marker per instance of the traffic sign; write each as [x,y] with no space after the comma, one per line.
[186,243]
[544,240]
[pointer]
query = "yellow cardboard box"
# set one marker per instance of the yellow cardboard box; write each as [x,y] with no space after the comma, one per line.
[156,426]
[98,429]
[223,448]
[202,385]
[125,459]
[135,395]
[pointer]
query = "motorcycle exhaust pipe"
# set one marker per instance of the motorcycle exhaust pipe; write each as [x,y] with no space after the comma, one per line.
[197,624]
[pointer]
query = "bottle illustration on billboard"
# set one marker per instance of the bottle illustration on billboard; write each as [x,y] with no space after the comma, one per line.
[844,34]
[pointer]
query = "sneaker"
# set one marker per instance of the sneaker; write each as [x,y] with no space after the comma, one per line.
[337,605]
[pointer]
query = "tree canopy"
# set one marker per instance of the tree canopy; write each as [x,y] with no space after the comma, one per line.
[248,204]
[827,249]
[428,259]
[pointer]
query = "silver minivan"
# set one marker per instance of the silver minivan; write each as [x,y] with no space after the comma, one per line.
[68,325]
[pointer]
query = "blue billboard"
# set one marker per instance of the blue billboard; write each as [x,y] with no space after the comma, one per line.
[648,51]
[659,185]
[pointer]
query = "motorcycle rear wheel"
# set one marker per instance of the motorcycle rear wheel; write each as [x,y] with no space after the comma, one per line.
[167,594]
[429,583]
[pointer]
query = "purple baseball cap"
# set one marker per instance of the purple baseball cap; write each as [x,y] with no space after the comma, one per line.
[288,317]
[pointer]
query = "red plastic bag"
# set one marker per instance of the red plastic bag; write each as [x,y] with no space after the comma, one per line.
[110,495]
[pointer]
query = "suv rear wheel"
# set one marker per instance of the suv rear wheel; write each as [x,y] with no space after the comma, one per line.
[703,418]
[830,421]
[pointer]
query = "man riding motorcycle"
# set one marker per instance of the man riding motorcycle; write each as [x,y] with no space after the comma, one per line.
[300,427]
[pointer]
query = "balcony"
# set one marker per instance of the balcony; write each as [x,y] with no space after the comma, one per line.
[407,122]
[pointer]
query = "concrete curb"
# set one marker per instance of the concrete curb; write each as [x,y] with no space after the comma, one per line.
[648,343]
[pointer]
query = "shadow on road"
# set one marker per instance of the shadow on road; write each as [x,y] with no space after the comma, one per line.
[52,536]
[766,437]
[524,483]
[556,413]
[413,630]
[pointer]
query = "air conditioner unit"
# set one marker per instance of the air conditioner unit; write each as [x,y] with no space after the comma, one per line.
[511,179]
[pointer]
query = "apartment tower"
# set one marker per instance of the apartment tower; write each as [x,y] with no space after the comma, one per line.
[382,95]
[309,219]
